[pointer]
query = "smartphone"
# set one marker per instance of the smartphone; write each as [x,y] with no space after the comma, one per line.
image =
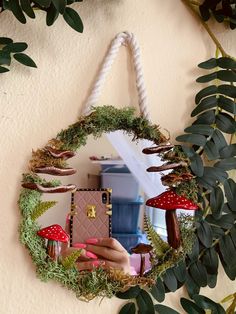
[90,215]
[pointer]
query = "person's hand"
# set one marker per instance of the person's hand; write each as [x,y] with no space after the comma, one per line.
[103,252]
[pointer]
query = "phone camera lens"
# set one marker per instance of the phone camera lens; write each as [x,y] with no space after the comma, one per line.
[104,198]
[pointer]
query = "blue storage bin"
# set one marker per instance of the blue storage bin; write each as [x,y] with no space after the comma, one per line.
[128,241]
[125,215]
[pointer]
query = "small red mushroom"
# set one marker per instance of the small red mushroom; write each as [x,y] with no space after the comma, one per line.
[54,234]
[170,201]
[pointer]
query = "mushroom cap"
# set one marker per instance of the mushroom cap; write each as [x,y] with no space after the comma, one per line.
[169,200]
[54,232]
[141,248]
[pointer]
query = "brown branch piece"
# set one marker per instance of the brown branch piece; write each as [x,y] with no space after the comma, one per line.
[55,171]
[57,153]
[175,179]
[157,149]
[49,189]
[167,166]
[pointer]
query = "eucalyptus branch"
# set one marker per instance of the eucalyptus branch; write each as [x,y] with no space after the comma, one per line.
[190,5]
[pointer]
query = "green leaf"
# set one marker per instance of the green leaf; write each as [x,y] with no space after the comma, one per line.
[226,164]
[200,129]
[233,235]
[158,291]
[229,270]
[226,63]
[17,11]
[211,261]
[207,78]
[15,47]
[144,302]
[207,117]
[225,221]
[128,308]
[170,280]
[211,151]
[73,19]
[5,57]
[206,303]
[132,293]
[230,192]
[24,59]
[60,5]
[226,75]
[204,233]
[219,139]
[211,280]
[227,104]
[205,104]
[209,64]
[180,271]
[195,139]
[227,250]
[212,175]
[225,123]
[52,15]
[191,286]
[207,91]
[5,40]
[217,202]
[163,309]
[190,307]
[43,3]
[193,255]
[198,273]
[205,184]
[3,70]
[228,90]
[228,151]
[196,165]
[26,7]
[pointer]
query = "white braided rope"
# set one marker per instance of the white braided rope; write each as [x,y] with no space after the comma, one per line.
[128,39]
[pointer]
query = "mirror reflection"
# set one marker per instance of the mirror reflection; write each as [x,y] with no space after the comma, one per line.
[107,182]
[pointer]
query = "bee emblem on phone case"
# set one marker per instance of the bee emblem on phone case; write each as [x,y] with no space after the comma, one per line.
[91,211]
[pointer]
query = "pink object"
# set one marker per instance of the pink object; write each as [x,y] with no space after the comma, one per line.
[92,241]
[91,255]
[95,263]
[79,245]
[135,263]
[54,232]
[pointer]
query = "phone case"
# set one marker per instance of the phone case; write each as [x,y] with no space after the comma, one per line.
[90,214]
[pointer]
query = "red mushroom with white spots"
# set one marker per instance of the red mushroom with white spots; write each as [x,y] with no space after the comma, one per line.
[170,201]
[54,234]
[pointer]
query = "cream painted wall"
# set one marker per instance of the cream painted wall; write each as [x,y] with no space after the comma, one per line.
[36,104]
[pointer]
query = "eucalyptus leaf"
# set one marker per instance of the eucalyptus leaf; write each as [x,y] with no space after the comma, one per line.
[132,293]
[226,123]
[73,19]
[24,59]
[204,233]
[3,70]
[216,231]
[226,63]
[206,303]
[52,15]
[198,273]
[195,139]
[5,57]
[211,261]
[212,280]
[209,64]
[230,270]
[205,184]
[180,271]
[228,151]
[163,309]
[200,129]
[207,117]
[233,235]
[128,308]
[17,11]
[60,5]
[219,139]
[207,78]
[211,151]
[5,40]
[217,202]
[190,307]
[15,47]
[158,290]
[230,192]
[170,280]
[228,90]
[226,75]
[227,250]
[196,165]
[227,164]
[43,3]
[207,91]
[193,255]
[205,104]
[225,221]
[26,7]
[227,104]
[144,302]
[191,286]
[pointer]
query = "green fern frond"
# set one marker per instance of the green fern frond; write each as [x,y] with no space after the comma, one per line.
[69,261]
[160,247]
[41,208]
